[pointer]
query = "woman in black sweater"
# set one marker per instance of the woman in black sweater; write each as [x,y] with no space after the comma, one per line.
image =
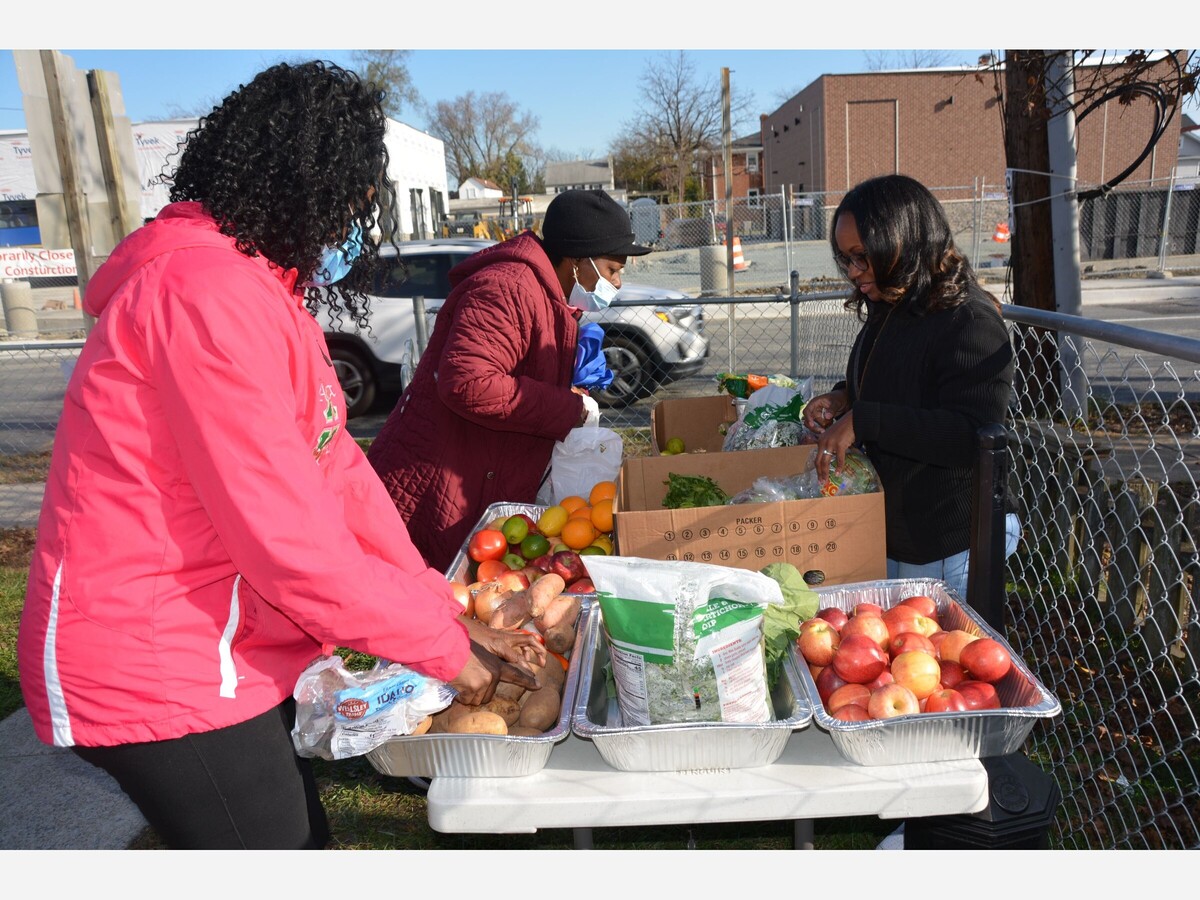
[931,364]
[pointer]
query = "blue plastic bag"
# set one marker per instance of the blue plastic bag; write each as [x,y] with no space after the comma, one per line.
[591,368]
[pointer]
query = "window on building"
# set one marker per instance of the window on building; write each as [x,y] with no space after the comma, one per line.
[752,162]
[753,197]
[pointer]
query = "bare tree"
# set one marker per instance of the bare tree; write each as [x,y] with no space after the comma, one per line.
[679,116]
[485,135]
[387,69]
[881,60]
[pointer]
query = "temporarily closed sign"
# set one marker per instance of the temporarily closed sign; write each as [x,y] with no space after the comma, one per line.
[36,262]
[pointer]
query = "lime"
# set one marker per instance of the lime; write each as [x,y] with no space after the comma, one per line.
[675,445]
[534,545]
[593,550]
[515,528]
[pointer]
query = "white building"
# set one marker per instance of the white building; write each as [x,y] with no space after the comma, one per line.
[417,169]
[479,189]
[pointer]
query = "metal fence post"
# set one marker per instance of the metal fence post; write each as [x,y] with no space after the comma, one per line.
[419,323]
[794,315]
[985,573]
[1165,238]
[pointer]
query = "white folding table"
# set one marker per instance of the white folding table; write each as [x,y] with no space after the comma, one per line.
[577,789]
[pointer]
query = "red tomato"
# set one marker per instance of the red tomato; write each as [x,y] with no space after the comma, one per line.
[487,543]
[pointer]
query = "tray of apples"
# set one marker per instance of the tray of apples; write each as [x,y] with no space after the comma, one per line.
[903,671]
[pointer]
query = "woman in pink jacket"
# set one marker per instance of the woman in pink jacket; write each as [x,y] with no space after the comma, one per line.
[209,527]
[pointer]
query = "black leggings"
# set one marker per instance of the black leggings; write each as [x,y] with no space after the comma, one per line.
[241,787]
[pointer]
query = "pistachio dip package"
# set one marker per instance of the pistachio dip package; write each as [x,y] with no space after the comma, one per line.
[685,639]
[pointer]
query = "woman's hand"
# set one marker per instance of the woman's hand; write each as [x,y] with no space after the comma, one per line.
[476,683]
[513,646]
[832,447]
[820,411]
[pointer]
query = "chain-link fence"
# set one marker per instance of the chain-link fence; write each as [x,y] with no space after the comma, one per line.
[1140,227]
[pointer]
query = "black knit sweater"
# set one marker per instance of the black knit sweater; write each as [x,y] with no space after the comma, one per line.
[920,388]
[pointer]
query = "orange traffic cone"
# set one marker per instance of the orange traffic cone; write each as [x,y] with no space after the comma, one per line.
[78,305]
[1001,235]
[739,262]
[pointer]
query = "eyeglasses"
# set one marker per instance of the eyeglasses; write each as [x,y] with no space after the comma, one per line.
[852,260]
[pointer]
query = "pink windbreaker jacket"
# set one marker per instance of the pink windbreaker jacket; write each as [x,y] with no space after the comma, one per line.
[208,523]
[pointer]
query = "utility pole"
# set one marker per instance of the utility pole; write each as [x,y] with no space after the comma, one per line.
[727,162]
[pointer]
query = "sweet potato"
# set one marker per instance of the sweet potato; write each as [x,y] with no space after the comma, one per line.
[479,721]
[541,708]
[552,674]
[440,723]
[562,607]
[423,726]
[520,606]
[561,638]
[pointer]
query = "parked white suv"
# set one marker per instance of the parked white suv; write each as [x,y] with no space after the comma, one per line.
[647,345]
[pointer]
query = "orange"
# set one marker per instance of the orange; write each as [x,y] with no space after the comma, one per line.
[602,516]
[584,512]
[602,490]
[578,533]
[572,503]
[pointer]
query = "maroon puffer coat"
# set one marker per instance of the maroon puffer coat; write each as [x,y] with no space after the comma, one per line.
[490,397]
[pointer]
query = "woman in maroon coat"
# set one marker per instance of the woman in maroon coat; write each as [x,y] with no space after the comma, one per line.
[492,393]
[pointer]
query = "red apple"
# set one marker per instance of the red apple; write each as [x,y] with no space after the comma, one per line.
[953,643]
[945,700]
[867,609]
[568,566]
[910,640]
[828,682]
[818,641]
[859,659]
[884,677]
[851,712]
[936,639]
[893,700]
[580,586]
[543,562]
[533,573]
[834,615]
[918,671]
[979,695]
[898,615]
[952,674]
[848,693]
[926,606]
[815,671]
[869,626]
[512,580]
[985,660]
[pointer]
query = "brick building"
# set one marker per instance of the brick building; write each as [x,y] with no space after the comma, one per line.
[942,126]
[746,165]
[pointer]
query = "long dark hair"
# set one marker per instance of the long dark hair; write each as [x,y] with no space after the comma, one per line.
[285,165]
[908,241]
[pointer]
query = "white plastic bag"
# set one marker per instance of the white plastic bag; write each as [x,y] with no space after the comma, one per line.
[686,639]
[589,454]
[340,713]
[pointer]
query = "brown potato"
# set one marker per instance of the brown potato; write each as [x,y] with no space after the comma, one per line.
[523,731]
[560,638]
[552,674]
[508,710]
[423,726]
[510,691]
[479,721]
[440,723]
[540,709]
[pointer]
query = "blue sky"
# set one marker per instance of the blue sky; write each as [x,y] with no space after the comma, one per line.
[582,95]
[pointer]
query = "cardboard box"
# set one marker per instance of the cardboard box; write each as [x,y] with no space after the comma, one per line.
[832,540]
[700,422]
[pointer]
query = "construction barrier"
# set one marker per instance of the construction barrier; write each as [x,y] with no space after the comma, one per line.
[739,262]
[1001,235]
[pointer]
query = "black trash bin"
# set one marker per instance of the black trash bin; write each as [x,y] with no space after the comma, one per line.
[1022,802]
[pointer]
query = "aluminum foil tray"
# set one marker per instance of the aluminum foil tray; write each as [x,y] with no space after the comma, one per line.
[673,748]
[460,565]
[930,737]
[483,755]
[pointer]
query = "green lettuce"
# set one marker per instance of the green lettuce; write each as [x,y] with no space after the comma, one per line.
[781,624]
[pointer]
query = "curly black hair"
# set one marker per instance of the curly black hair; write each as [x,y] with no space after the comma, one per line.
[909,244]
[287,163]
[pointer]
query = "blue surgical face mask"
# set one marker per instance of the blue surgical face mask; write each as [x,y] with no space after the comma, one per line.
[335,262]
[597,298]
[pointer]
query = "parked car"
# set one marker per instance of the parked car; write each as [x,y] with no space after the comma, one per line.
[652,335]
